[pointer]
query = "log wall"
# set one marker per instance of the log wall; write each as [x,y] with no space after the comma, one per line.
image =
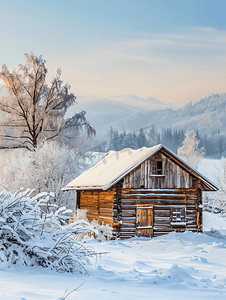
[100,204]
[162,202]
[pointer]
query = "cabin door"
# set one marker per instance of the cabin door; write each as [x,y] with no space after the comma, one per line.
[144,221]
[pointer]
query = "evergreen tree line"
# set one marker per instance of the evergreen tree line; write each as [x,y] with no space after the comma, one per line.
[215,144]
[144,137]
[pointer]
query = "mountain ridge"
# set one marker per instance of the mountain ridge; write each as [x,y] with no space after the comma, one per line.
[207,114]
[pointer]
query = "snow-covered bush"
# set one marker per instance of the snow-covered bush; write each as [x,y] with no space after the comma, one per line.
[33,232]
[103,232]
[47,169]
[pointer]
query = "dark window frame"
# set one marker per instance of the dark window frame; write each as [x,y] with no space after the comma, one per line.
[178,214]
[157,167]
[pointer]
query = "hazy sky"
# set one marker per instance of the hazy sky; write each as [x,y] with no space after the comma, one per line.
[173,50]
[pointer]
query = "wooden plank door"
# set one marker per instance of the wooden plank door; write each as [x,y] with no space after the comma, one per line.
[144,221]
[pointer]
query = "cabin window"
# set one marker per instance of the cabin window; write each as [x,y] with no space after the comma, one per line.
[157,167]
[178,215]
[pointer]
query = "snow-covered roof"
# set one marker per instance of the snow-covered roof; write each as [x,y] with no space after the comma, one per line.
[117,164]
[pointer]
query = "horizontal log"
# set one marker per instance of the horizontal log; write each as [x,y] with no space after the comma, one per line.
[157,226]
[168,207]
[162,207]
[106,198]
[126,234]
[94,208]
[91,207]
[107,215]
[161,217]
[128,225]
[190,217]
[156,234]
[90,193]
[193,221]
[130,207]
[191,211]
[126,230]
[126,219]
[88,202]
[107,203]
[86,197]
[162,213]
[157,197]
[124,214]
[106,194]
[89,199]
[192,227]
[157,202]
[106,209]
[161,220]
[162,191]
[104,206]
[166,191]
[125,237]
[160,229]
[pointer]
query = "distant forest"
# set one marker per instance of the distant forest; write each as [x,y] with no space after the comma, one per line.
[214,145]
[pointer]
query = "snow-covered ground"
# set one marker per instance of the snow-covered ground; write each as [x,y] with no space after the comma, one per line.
[175,266]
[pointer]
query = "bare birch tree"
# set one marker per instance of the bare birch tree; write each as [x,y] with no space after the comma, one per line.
[33,111]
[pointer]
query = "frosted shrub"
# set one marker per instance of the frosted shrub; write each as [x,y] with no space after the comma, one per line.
[47,169]
[33,232]
[81,214]
[102,233]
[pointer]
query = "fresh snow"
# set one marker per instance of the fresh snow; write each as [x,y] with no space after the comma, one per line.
[175,266]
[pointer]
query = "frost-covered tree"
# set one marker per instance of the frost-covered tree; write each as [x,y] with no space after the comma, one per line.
[47,169]
[189,151]
[33,111]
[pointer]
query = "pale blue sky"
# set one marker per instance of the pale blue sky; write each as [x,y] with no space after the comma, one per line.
[172,50]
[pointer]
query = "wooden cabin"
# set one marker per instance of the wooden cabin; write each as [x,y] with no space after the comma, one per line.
[144,192]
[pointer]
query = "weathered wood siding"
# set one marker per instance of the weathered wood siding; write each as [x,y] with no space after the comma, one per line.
[99,203]
[162,202]
[173,176]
